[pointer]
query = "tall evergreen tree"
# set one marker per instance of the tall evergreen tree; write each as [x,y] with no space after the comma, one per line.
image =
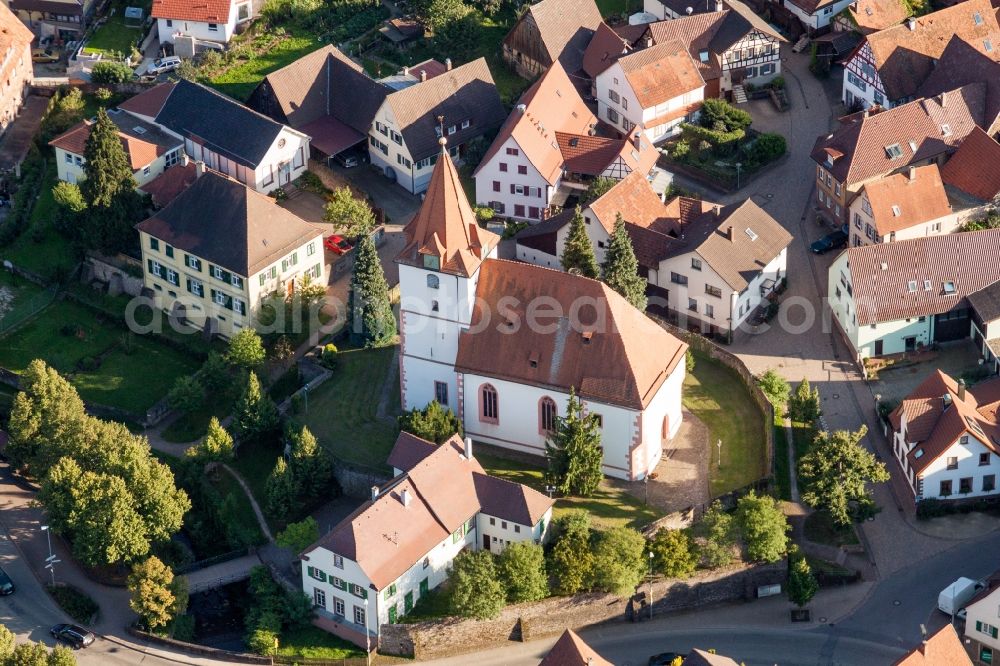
[574,451]
[280,490]
[372,323]
[434,422]
[256,413]
[578,253]
[310,464]
[621,268]
[109,188]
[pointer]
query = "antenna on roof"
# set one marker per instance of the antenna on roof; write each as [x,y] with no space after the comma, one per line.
[442,139]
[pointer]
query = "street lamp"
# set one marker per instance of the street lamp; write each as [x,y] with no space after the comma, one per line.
[650,585]
[645,489]
[50,561]
[550,489]
[368,640]
[719,445]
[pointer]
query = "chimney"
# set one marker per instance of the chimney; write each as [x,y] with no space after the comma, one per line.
[961,390]
[468,448]
[923,635]
[729,233]
[911,23]
[718,211]
[423,75]
[404,497]
[199,169]
[185,160]
[447,64]
[406,70]
[718,5]
[649,42]
[374,493]
[912,173]
[944,99]
[637,140]
[864,113]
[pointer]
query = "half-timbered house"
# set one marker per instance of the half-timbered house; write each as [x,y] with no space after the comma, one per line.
[548,31]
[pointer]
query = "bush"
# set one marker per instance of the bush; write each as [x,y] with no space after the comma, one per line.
[89,364]
[778,82]
[767,148]
[103,95]
[110,71]
[721,116]
[77,605]
[182,628]
[932,508]
[328,357]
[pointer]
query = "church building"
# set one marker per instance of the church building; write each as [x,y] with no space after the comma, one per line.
[502,343]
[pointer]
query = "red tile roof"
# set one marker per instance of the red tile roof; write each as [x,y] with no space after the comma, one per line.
[965,168]
[904,200]
[661,73]
[204,11]
[591,155]
[605,47]
[149,102]
[570,650]
[164,188]
[873,15]
[881,274]
[140,153]
[409,450]
[564,27]
[944,648]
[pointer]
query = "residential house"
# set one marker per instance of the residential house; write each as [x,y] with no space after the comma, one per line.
[961,65]
[225,135]
[571,649]
[15,69]
[168,185]
[816,15]
[149,149]
[325,95]
[942,439]
[403,139]
[944,648]
[205,21]
[215,276]
[655,90]
[547,150]
[731,46]
[871,144]
[550,31]
[63,20]
[889,66]
[377,563]
[908,205]
[469,341]
[982,618]
[605,47]
[868,16]
[675,9]
[890,298]
[964,170]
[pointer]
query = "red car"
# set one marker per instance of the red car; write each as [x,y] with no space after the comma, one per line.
[337,244]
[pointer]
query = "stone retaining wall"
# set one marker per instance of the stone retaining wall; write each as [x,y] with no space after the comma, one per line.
[201,650]
[356,481]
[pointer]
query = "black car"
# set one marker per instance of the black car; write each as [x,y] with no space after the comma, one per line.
[77,637]
[664,658]
[832,241]
[6,584]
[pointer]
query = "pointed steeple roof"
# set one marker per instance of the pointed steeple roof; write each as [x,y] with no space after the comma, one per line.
[445,227]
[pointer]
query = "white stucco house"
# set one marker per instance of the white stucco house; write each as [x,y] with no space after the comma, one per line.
[473,338]
[816,14]
[654,90]
[982,622]
[208,20]
[149,149]
[373,567]
[943,439]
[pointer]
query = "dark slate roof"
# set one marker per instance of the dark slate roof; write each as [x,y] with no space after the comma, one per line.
[228,224]
[986,302]
[222,124]
[542,236]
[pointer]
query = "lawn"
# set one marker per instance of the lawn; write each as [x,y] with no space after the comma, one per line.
[66,333]
[239,80]
[41,249]
[254,462]
[313,643]
[717,396]
[342,411]
[226,485]
[609,507]
[114,36]
[193,425]
[19,299]
[610,7]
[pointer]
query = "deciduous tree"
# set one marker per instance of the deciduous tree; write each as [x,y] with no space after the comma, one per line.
[522,569]
[620,560]
[574,452]
[673,553]
[29,654]
[719,534]
[804,404]
[349,215]
[578,253]
[775,388]
[299,536]
[150,585]
[764,527]
[280,491]
[7,642]
[476,591]
[187,394]
[802,584]
[246,349]
[61,656]
[571,561]
[621,268]
[835,472]
[433,423]
[371,321]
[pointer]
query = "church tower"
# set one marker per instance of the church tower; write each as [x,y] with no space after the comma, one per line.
[438,274]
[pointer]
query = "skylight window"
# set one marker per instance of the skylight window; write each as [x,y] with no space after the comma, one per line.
[913,146]
[988,45]
[750,232]
[895,211]
[893,151]
[868,10]
[703,55]
[918,453]
[946,129]
[911,286]
[948,286]
[927,285]
[975,426]
[977,18]
[139,130]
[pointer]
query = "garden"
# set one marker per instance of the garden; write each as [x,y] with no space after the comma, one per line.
[721,147]
[117,37]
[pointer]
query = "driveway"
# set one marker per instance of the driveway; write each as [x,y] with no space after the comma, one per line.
[399,205]
[955,359]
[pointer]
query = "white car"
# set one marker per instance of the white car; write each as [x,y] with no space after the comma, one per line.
[162,65]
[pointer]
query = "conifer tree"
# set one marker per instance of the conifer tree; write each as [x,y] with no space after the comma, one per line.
[371,320]
[621,268]
[574,451]
[255,412]
[578,253]
[109,189]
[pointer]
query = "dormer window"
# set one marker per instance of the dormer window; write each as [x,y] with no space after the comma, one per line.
[911,286]
[946,130]
[893,151]
[927,285]
[977,18]
[988,45]
[948,287]
[896,211]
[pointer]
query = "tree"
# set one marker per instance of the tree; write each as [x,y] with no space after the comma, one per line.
[72,205]
[436,14]
[246,349]
[621,268]
[578,253]
[311,466]
[308,291]
[263,641]
[186,395]
[620,560]
[522,569]
[372,323]
[764,527]
[598,188]
[215,373]
[433,423]
[689,361]
[7,642]
[460,38]
[109,188]
[152,595]
[718,534]
[804,404]
[720,115]
[571,562]
[775,388]
[834,473]
[673,554]
[476,591]
[61,656]
[255,414]
[299,536]
[349,215]
[280,491]
[802,584]
[111,71]
[573,451]
[67,111]
[217,445]
[29,654]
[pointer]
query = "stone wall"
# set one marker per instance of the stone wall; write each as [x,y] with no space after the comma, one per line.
[524,622]
[119,281]
[357,481]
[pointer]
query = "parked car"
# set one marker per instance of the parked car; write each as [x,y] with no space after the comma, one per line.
[338,244]
[832,241]
[6,584]
[952,599]
[76,637]
[44,55]
[161,65]
[347,160]
[664,658]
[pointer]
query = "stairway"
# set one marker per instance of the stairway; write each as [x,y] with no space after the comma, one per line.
[739,95]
